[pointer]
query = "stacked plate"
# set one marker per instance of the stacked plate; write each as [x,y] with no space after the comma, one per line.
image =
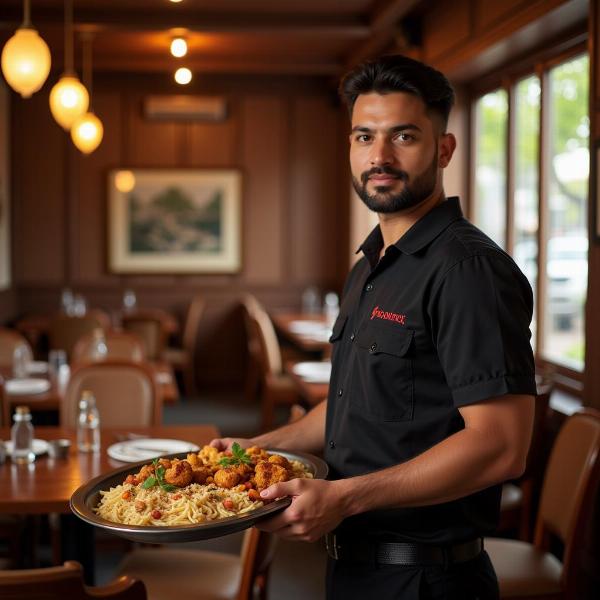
[313,372]
[28,385]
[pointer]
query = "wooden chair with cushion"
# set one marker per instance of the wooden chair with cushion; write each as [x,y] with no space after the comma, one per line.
[126,394]
[529,571]
[149,327]
[65,581]
[520,497]
[10,340]
[119,346]
[202,574]
[276,387]
[184,359]
[66,330]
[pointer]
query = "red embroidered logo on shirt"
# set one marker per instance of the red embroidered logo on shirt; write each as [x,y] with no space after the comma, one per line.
[388,316]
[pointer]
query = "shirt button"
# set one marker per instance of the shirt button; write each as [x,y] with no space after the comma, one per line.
[373,348]
[331,444]
[352,336]
[369,287]
[340,391]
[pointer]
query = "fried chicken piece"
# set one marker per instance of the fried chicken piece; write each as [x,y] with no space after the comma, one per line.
[165,462]
[282,461]
[266,474]
[145,472]
[180,473]
[257,454]
[200,474]
[244,471]
[209,454]
[195,460]
[227,478]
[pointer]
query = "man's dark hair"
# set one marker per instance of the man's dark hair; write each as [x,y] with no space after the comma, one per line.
[397,73]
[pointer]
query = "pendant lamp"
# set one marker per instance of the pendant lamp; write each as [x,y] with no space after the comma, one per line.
[26,58]
[68,98]
[87,131]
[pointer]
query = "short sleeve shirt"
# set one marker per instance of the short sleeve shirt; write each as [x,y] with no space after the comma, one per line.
[441,321]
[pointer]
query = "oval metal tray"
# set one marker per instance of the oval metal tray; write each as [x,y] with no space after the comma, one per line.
[88,496]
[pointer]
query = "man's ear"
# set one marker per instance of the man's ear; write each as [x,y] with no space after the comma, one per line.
[446,147]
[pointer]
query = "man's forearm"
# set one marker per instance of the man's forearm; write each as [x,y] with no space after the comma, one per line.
[304,435]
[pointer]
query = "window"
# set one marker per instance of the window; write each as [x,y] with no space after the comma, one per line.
[536,208]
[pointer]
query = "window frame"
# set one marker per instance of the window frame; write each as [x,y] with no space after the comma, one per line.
[538,64]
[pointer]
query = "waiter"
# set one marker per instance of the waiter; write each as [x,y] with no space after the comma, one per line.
[431,397]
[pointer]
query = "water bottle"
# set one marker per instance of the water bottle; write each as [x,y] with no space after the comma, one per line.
[88,424]
[331,308]
[22,437]
[99,349]
[310,300]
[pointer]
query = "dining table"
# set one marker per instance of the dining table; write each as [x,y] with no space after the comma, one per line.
[306,331]
[46,485]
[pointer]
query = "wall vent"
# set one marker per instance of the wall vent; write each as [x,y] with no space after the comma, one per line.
[185,108]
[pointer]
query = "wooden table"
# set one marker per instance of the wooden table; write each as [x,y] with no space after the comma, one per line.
[312,393]
[46,485]
[308,343]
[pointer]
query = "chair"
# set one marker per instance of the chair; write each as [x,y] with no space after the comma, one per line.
[276,387]
[184,359]
[65,330]
[119,346]
[65,581]
[520,497]
[202,574]
[126,394]
[10,340]
[529,571]
[148,326]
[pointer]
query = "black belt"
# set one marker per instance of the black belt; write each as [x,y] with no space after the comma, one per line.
[400,553]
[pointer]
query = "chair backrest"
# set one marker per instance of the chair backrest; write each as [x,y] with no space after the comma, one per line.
[119,346]
[126,394]
[65,330]
[263,344]
[569,486]
[192,323]
[258,551]
[65,581]
[149,328]
[10,340]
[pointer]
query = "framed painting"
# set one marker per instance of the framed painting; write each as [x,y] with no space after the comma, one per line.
[174,220]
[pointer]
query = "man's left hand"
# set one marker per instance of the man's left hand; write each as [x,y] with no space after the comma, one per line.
[317,507]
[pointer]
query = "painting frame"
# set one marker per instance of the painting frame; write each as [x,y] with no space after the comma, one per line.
[174,220]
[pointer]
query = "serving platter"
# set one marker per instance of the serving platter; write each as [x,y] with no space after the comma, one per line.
[86,497]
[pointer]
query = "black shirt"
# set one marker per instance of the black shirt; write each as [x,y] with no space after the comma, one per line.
[440,322]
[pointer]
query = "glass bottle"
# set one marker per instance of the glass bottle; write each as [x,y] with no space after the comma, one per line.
[331,308]
[99,349]
[88,424]
[22,436]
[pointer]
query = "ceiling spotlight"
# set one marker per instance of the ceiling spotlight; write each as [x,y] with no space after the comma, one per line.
[175,1]
[183,76]
[179,47]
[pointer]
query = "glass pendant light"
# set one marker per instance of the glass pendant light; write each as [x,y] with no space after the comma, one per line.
[87,131]
[68,99]
[26,58]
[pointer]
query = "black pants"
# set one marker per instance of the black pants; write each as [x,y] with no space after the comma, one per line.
[471,580]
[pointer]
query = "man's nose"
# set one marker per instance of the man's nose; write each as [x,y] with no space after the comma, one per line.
[382,153]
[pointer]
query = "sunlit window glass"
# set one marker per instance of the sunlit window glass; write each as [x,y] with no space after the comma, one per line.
[566,242]
[489,207]
[526,168]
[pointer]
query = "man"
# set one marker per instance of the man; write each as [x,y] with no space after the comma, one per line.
[431,395]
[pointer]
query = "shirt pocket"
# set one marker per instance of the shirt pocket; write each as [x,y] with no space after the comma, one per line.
[383,380]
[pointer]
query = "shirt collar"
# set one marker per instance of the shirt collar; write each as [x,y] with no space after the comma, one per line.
[422,233]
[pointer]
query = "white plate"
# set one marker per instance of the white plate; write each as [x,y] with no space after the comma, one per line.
[37,367]
[148,448]
[27,386]
[307,327]
[39,447]
[313,372]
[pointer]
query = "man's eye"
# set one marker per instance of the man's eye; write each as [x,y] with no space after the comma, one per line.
[363,137]
[405,137]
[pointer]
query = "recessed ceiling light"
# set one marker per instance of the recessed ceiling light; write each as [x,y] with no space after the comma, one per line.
[179,47]
[183,76]
[175,0]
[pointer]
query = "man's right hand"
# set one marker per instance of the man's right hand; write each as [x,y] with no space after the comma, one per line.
[222,444]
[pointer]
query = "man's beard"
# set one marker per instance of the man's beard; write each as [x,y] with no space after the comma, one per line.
[413,193]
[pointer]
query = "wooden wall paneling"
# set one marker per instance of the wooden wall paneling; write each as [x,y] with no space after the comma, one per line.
[315,191]
[263,155]
[90,244]
[151,143]
[444,27]
[486,13]
[39,198]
